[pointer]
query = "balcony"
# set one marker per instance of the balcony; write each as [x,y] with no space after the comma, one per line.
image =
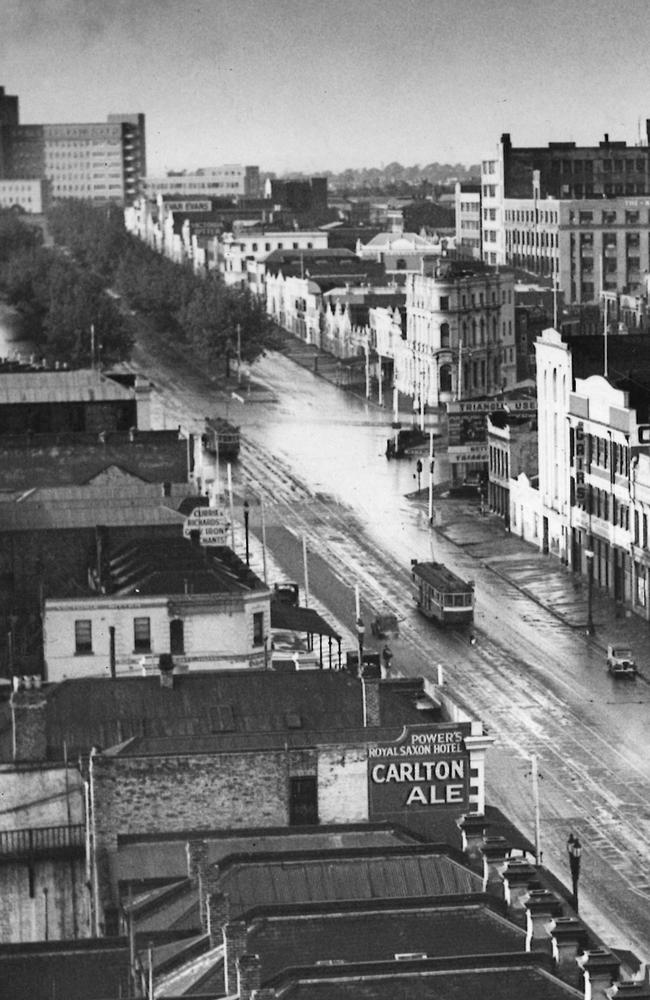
[43,842]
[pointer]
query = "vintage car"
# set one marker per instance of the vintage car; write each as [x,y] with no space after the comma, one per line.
[620,662]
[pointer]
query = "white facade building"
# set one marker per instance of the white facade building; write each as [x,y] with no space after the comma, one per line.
[554,384]
[235,250]
[227,181]
[31,196]
[201,631]
[460,333]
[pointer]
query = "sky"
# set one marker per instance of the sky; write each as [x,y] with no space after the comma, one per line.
[314,85]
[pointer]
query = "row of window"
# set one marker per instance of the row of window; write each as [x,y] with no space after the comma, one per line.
[527,237]
[531,215]
[83,634]
[473,300]
[279,246]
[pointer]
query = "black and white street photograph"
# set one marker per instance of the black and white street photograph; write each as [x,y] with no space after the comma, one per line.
[324,500]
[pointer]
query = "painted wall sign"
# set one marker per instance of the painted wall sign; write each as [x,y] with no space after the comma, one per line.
[428,767]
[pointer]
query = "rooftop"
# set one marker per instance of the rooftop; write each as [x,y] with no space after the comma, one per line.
[378,935]
[34,460]
[81,385]
[214,712]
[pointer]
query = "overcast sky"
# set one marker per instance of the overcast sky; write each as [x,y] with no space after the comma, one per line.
[327,84]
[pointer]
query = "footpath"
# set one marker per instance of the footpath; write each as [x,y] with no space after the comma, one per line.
[542,578]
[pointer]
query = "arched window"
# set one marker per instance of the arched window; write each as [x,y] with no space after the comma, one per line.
[444,378]
[444,334]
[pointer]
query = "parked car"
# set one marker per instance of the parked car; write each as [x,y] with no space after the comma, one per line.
[620,662]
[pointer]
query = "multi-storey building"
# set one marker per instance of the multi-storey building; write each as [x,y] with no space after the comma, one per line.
[98,161]
[30,196]
[256,242]
[576,214]
[460,332]
[468,219]
[231,180]
[592,507]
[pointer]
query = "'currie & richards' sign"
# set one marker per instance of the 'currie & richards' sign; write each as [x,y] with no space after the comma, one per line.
[427,767]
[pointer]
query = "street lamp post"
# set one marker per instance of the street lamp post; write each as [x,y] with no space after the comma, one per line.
[589,556]
[246,513]
[574,848]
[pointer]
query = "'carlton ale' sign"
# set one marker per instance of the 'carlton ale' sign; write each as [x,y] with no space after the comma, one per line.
[427,768]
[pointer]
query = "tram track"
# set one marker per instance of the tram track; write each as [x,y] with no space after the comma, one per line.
[597,787]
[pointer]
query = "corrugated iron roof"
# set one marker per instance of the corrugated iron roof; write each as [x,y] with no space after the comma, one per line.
[335,879]
[81,385]
[143,718]
[436,931]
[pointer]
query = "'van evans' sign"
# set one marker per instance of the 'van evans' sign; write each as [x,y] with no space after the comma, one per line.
[428,766]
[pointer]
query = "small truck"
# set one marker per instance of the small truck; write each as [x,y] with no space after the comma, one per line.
[620,662]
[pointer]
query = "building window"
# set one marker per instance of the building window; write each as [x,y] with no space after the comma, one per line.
[303,801]
[258,628]
[176,636]
[444,303]
[83,636]
[141,635]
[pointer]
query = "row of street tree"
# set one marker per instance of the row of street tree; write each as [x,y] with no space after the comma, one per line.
[70,295]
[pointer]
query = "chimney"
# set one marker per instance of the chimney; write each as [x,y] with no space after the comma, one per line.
[249,976]
[495,851]
[541,906]
[234,943]
[28,716]
[473,827]
[143,403]
[197,858]
[569,937]
[631,990]
[166,668]
[600,968]
[217,912]
[371,701]
[518,878]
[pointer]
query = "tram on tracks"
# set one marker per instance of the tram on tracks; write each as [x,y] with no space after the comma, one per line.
[441,595]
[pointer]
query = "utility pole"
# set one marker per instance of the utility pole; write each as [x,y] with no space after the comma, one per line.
[238,329]
[431,461]
[535,779]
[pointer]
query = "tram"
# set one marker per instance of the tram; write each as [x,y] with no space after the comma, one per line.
[441,595]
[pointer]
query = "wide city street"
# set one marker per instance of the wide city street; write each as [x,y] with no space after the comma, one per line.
[314,455]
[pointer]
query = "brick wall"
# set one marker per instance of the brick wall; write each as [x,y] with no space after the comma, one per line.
[163,794]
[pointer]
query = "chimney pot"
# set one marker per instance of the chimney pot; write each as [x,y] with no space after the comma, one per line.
[166,668]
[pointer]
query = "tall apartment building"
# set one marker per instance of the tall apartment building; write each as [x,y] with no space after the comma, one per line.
[232,180]
[467,203]
[576,214]
[100,161]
